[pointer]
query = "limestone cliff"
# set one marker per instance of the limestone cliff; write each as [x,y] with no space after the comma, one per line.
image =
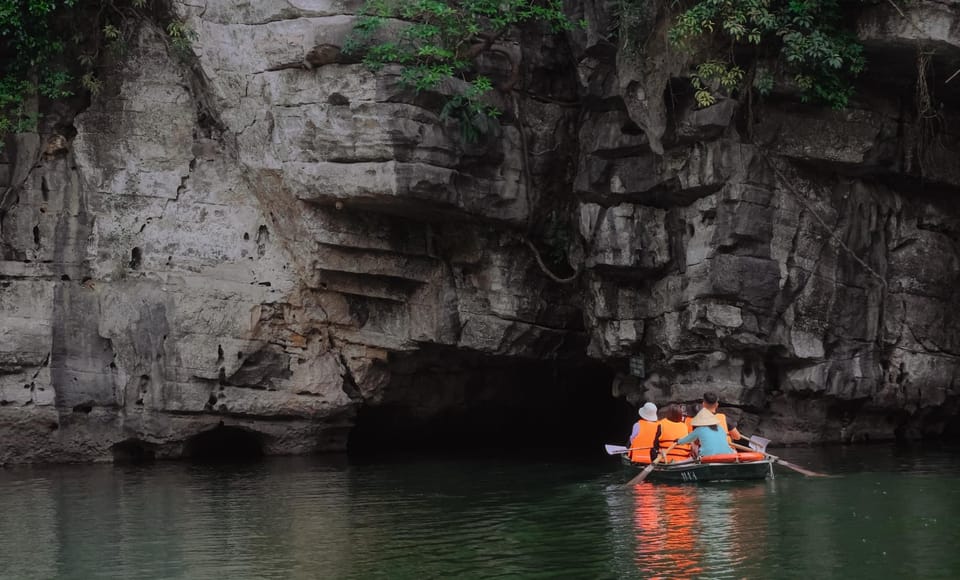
[251,238]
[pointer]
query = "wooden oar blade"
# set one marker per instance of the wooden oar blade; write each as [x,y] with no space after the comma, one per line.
[615,449]
[786,464]
[799,469]
[642,475]
[758,443]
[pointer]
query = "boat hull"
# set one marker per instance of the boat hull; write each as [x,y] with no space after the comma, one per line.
[695,472]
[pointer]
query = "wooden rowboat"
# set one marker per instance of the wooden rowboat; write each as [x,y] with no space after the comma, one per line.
[695,471]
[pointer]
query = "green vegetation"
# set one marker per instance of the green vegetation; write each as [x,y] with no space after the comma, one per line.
[809,41]
[436,41]
[36,37]
[29,48]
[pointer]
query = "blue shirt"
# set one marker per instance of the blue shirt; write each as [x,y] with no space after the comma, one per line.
[711,442]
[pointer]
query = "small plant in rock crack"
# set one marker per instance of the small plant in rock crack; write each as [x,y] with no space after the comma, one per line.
[181,38]
[436,41]
[812,42]
[468,108]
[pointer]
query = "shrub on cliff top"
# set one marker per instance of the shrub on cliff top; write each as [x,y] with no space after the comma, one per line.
[811,41]
[440,40]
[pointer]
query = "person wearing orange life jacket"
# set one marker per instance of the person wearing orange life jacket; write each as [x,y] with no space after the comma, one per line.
[672,428]
[644,435]
[689,412]
[711,402]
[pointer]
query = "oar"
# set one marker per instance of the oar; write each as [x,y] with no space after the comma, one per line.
[649,469]
[620,449]
[758,443]
[784,463]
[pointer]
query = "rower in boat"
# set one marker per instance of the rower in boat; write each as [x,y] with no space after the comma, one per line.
[706,430]
[711,402]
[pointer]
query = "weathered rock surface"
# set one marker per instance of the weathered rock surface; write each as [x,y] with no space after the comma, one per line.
[807,273]
[247,243]
[272,238]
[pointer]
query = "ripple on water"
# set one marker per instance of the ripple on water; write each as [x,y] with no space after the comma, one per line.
[891,513]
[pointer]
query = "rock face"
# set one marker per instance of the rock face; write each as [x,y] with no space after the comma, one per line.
[267,237]
[800,262]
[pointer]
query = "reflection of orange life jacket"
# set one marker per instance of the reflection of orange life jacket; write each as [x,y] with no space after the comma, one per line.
[643,442]
[670,432]
[665,528]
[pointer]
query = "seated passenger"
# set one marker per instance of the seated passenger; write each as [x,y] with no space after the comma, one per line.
[689,411]
[645,432]
[711,402]
[672,428]
[706,430]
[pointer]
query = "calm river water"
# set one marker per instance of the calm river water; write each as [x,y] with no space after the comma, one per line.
[893,512]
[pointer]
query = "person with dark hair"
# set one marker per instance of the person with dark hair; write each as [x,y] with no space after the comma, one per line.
[672,428]
[711,402]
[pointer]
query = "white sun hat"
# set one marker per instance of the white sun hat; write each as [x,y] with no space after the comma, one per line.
[649,412]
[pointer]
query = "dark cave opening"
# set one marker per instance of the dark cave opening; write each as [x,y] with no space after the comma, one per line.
[133,451]
[952,430]
[444,400]
[224,443]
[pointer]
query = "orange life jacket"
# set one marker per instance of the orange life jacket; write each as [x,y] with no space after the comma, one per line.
[670,432]
[642,444]
[723,425]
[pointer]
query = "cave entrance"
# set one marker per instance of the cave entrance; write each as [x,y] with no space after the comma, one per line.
[224,443]
[448,400]
[133,451]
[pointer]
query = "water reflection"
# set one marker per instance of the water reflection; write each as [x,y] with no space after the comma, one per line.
[897,516]
[29,546]
[685,531]
[665,526]
[175,521]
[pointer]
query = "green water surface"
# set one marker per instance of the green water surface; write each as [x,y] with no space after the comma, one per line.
[891,512]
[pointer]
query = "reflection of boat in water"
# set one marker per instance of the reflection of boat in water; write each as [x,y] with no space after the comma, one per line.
[715,468]
[689,531]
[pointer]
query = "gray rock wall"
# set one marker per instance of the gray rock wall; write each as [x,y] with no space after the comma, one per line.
[799,261]
[238,239]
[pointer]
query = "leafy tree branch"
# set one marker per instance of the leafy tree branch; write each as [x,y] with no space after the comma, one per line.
[440,40]
[810,41]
